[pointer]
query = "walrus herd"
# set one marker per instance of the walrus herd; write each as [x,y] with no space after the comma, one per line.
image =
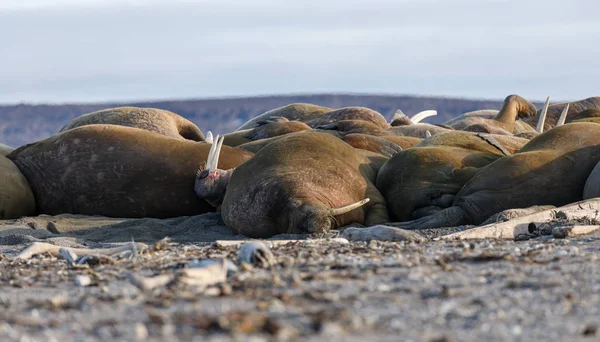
[304,168]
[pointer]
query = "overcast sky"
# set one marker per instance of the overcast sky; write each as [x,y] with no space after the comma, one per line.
[117,50]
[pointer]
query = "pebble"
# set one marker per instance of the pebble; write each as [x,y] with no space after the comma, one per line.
[83,280]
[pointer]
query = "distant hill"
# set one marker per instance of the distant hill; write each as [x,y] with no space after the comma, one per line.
[22,124]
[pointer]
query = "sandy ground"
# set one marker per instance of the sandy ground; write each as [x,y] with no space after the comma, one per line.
[540,289]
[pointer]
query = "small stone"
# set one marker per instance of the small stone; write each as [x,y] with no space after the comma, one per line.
[141,332]
[590,330]
[83,280]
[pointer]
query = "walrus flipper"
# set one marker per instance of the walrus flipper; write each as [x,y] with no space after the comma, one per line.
[449,217]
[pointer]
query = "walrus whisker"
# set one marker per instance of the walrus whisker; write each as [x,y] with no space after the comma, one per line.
[422,115]
[563,116]
[209,138]
[347,208]
[542,119]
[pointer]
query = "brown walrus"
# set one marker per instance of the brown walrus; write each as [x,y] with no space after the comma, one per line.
[265,129]
[151,119]
[117,171]
[372,143]
[551,169]
[16,198]
[514,107]
[424,179]
[350,113]
[295,111]
[303,182]
[555,110]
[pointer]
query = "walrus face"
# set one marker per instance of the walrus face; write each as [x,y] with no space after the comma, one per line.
[307,218]
[211,182]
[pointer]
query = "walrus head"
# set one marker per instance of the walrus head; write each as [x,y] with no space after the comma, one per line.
[211,182]
[309,218]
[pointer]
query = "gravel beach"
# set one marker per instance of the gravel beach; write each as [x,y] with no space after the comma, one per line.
[539,289]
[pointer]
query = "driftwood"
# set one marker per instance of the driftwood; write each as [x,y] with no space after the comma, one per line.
[381,233]
[42,247]
[573,231]
[200,277]
[587,209]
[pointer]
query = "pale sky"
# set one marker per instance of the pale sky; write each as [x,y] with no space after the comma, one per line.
[65,51]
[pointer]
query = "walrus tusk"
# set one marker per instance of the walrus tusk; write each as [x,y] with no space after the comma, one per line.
[216,154]
[427,134]
[211,154]
[563,116]
[422,115]
[347,208]
[209,138]
[542,119]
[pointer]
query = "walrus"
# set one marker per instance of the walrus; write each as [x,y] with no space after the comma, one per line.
[417,130]
[401,119]
[151,119]
[5,149]
[295,111]
[552,169]
[16,197]
[422,180]
[350,113]
[588,115]
[513,108]
[555,110]
[264,129]
[482,142]
[117,171]
[372,143]
[304,182]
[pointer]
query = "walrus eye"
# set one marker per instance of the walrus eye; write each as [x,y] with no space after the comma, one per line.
[203,174]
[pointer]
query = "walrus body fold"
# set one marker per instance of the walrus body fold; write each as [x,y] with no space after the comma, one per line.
[151,119]
[552,169]
[117,171]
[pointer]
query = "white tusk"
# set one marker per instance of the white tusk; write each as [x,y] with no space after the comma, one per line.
[347,208]
[427,134]
[209,138]
[211,153]
[563,116]
[422,115]
[215,160]
[542,119]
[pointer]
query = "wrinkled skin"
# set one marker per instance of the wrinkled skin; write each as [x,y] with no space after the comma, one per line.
[514,107]
[427,178]
[350,113]
[555,110]
[291,183]
[295,111]
[16,197]
[551,169]
[117,171]
[488,143]
[354,126]
[588,115]
[372,143]
[264,130]
[151,119]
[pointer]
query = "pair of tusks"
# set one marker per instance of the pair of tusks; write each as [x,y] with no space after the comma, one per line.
[542,119]
[347,208]
[417,117]
[213,155]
